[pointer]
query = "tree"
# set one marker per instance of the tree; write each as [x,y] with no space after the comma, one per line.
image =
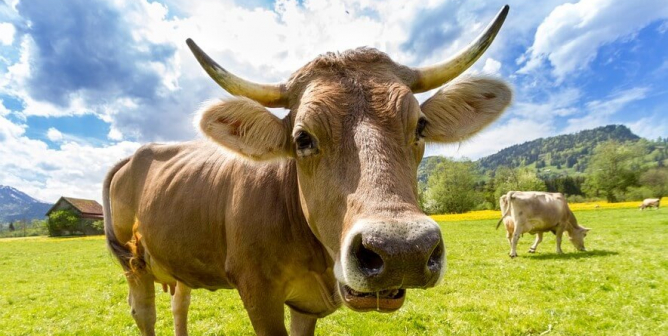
[612,169]
[656,180]
[61,221]
[521,179]
[11,226]
[450,188]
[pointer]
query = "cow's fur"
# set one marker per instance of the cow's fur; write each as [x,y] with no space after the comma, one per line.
[250,211]
[537,212]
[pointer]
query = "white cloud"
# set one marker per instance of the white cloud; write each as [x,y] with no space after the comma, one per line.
[75,169]
[115,134]
[7,32]
[569,38]
[54,134]
[491,67]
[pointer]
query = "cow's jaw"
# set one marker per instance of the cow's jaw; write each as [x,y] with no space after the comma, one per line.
[385,301]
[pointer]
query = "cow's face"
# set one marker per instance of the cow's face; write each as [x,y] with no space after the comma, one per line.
[577,237]
[356,134]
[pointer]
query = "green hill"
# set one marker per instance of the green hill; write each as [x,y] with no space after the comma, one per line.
[568,152]
[560,155]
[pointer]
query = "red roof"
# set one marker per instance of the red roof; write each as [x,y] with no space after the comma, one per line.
[88,208]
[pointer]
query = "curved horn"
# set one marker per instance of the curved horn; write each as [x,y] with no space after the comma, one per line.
[269,95]
[433,76]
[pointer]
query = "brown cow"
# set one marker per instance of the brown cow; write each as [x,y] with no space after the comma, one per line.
[310,211]
[649,203]
[537,212]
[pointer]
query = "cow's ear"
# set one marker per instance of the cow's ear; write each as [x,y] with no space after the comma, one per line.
[464,107]
[245,127]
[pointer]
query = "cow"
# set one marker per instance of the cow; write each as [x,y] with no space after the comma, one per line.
[650,202]
[537,212]
[315,210]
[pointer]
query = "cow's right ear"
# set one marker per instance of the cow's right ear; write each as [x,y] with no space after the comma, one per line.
[245,127]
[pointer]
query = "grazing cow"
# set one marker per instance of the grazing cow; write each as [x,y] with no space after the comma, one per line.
[650,202]
[537,212]
[310,211]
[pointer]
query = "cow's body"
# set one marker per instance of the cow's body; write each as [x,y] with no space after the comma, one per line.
[650,203]
[538,212]
[240,224]
[312,211]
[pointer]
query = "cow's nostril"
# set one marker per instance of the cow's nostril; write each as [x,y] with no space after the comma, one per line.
[436,258]
[369,261]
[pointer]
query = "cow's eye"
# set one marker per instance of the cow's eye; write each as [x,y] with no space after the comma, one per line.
[419,130]
[303,140]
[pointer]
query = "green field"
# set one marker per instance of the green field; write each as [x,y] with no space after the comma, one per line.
[63,286]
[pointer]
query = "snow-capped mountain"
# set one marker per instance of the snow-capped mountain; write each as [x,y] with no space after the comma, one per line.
[17,205]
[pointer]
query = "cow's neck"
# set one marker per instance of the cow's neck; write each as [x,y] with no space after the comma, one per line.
[298,224]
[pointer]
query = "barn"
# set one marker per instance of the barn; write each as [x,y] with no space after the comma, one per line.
[87,211]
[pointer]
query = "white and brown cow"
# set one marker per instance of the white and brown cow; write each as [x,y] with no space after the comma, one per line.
[649,203]
[310,211]
[537,212]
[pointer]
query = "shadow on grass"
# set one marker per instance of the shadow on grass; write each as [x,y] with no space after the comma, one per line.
[571,255]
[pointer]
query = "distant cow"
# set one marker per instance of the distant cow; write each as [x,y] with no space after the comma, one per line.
[650,202]
[537,212]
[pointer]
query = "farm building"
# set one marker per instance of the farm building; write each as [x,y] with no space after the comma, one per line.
[87,211]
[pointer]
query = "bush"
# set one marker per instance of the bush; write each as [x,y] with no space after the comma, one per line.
[638,193]
[61,222]
[575,199]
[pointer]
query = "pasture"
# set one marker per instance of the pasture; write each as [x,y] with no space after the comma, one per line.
[72,286]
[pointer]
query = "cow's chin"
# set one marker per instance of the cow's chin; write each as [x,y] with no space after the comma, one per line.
[385,301]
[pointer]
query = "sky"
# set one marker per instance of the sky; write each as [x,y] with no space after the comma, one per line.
[84,83]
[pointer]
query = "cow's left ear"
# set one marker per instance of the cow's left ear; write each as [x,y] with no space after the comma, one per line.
[245,127]
[464,107]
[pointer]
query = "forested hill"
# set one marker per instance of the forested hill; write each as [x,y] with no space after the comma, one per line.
[563,151]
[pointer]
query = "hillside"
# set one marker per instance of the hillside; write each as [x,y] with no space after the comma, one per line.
[16,205]
[561,152]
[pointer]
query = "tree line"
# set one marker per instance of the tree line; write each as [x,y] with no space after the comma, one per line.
[615,171]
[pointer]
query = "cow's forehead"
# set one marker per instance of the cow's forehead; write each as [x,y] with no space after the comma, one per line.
[333,105]
[360,63]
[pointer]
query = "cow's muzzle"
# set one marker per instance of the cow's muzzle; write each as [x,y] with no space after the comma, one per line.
[382,258]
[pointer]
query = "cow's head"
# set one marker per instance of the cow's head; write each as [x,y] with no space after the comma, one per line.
[357,134]
[577,236]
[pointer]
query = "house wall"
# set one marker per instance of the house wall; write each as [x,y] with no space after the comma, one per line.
[84,224]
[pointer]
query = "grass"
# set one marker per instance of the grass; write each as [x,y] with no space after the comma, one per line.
[71,286]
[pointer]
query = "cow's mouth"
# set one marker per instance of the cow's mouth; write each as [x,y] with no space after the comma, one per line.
[387,300]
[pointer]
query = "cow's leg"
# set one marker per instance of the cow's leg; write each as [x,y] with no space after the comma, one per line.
[559,234]
[516,238]
[142,301]
[264,306]
[180,304]
[539,238]
[301,325]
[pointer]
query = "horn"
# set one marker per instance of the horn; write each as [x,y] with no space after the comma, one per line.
[430,77]
[269,95]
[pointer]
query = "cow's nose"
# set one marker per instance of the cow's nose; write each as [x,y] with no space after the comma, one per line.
[394,254]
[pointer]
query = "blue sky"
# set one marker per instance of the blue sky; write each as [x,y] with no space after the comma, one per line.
[84,83]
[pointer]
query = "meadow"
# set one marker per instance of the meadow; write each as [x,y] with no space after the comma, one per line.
[72,286]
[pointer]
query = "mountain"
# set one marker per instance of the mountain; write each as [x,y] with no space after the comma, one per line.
[561,155]
[16,205]
[562,151]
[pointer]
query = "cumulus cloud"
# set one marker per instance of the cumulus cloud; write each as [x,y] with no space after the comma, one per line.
[7,31]
[73,169]
[569,38]
[54,134]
